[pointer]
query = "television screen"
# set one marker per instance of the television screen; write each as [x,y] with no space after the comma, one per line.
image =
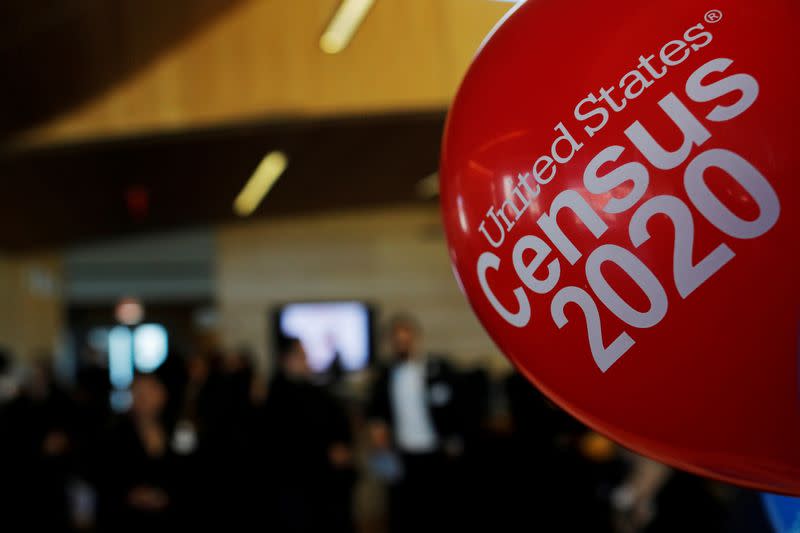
[330,332]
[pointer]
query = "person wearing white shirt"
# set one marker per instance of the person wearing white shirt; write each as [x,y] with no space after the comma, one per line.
[414,427]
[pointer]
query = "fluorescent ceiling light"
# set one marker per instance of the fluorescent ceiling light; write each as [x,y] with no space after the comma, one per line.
[259,184]
[344,24]
[428,187]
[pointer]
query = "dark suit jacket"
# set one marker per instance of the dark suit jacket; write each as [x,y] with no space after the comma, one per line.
[443,394]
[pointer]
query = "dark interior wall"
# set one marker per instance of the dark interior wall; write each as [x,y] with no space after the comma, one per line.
[70,194]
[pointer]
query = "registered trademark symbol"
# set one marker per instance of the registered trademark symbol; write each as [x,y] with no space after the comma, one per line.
[713,16]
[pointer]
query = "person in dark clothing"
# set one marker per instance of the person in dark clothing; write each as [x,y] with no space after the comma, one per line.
[7,388]
[36,444]
[219,389]
[219,408]
[564,465]
[305,445]
[92,393]
[136,471]
[173,374]
[414,412]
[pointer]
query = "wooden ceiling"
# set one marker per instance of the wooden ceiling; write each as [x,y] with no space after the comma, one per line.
[90,68]
[58,56]
[109,103]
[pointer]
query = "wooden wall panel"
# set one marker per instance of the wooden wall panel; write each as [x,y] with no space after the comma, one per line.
[261,58]
[31,311]
[395,258]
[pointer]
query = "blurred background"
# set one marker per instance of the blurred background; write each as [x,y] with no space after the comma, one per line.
[225,296]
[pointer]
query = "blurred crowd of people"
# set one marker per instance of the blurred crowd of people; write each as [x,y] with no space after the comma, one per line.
[206,442]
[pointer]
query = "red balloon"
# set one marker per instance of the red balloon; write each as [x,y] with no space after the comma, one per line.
[618,182]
